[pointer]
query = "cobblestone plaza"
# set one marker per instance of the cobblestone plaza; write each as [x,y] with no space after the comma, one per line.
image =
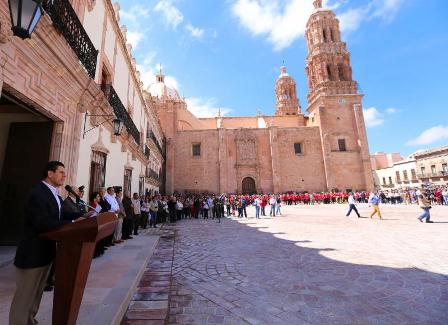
[312,265]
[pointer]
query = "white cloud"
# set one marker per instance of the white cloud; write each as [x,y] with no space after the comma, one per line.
[195,31]
[205,107]
[391,110]
[282,22]
[351,19]
[372,117]
[431,135]
[134,38]
[134,13]
[172,15]
[386,9]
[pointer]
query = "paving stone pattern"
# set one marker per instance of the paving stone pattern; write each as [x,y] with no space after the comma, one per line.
[311,266]
[150,302]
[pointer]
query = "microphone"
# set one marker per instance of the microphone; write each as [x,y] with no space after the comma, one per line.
[68,188]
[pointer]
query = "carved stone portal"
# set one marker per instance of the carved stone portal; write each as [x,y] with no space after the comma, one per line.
[246,148]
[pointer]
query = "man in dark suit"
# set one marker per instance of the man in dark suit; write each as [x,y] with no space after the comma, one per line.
[34,256]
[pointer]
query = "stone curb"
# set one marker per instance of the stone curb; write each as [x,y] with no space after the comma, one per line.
[150,302]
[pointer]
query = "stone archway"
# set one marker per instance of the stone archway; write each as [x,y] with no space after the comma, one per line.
[248,186]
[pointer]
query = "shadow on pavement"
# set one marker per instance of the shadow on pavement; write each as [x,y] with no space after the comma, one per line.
[251,276]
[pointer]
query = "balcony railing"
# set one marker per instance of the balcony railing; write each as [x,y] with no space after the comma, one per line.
[67,23]
[153,137]
[147,152]
[121,112]
[436,174]
[152,174]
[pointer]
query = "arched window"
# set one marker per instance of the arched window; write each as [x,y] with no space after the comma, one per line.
[325,35]
[330,76]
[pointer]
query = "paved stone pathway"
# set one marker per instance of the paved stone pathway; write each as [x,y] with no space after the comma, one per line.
[312,266]
[149,304]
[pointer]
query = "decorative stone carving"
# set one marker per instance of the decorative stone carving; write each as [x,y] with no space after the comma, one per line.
[116,6]
[246,148]
[128,162]
[5,30]
[124,31]
[98,145]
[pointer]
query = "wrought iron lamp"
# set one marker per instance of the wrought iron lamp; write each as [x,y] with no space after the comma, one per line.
[25,14]
[117,123]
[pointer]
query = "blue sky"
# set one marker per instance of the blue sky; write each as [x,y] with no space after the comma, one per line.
[226,54]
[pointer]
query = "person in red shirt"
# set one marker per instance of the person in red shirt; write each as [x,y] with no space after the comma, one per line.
[264,202]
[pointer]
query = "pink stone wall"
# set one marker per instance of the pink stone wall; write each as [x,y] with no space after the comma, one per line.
[222,166]
[196,173]
[340,117]
[304,171]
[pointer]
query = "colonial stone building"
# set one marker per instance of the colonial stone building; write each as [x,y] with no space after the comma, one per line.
[323,150]
[423,167]
[60,90]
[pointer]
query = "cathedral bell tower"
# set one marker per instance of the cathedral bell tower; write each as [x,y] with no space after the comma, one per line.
[287,102]
[328,63]
[334,104]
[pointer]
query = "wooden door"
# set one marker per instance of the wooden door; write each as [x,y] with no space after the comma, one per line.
[27,152]
[248,186]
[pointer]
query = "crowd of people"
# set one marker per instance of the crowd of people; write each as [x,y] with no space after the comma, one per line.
[46,210]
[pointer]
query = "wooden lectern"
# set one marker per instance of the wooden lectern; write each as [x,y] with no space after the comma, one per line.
[75,247]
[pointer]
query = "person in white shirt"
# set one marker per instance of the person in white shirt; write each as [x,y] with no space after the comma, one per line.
[115,208]
[272,202]
[370,198]
[137,212]
[210,205]
[257,203]
[180,209]
[153,209]
[445,196]
[352,205]
[145,212]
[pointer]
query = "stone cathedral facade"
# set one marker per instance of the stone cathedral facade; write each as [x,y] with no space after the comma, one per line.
[322,150]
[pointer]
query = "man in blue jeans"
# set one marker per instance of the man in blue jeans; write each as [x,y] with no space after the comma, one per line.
[257,203]
[425,203]
[272,202]
[352,205]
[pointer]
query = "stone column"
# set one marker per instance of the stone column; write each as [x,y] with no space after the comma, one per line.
[5,38]
[222,160]
[364,147]
[326,146]
[273,139]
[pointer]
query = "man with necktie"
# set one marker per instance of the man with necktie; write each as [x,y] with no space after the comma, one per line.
[34,255]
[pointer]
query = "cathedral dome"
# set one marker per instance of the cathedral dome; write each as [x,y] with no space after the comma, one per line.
[160,90]
[283,72]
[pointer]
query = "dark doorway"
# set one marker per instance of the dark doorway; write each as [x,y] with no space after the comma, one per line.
[248,186]
[25,139]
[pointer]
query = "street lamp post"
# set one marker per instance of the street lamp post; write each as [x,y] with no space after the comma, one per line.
[25,14]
